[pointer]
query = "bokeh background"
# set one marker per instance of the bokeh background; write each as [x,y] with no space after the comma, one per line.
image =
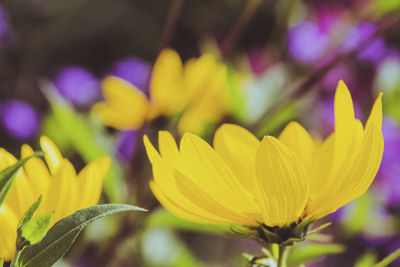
[287,57]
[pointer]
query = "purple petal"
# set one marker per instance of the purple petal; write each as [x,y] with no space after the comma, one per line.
[77,85]
[307,42]
[19,119]
[133,70]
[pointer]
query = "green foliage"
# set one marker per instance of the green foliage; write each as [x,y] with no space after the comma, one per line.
[68,126]
[161,247]
[7,176]
[389,259]
[1,262]
[30,231]
[29,213]
[312,252]
[368,259]
[162,218]
[358,214]
[34,230]
[385,6]
[62,235]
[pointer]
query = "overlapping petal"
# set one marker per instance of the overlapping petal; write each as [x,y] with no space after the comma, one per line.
[276,182]
[167,89]
[62,190]
[182,196]
[126,107]
[283,182]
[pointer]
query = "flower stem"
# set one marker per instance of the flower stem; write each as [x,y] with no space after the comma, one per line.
[282,258]
[386,261]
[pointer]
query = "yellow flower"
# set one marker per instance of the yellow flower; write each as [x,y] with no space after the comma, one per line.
[62,189]
[273,182]
[199,88]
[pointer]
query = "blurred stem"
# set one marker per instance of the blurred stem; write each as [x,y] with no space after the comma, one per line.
[15,258]
[386,261]
[240,25]
[282,257]
[170,24]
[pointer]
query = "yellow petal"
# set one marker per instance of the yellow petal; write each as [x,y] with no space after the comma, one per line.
[167,88]
[62,196]
[6,159]
[210,173]
[358,178]
[238,148]
[21,195]
[376,113]
[207,94]
[36,171]
[51,153]
[90,181]
[299,141]
[168,149]
[8,232]
[328,171]
[181,196]
[283,182]
[177,209]
[126,107]
[359,175]
[344,124]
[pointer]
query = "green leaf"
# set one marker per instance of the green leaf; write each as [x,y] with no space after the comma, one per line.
[312,252]
[1,262]
[29,213]
[62,235]
[7,176]
[34,230]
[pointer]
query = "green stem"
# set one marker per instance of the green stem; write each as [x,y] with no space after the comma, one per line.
[15,258]
[282,258]
[386,261]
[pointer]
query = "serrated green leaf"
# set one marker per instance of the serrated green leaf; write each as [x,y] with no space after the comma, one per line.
[34,230]
[312,252]
[7,176]
[62,235]
[29,213]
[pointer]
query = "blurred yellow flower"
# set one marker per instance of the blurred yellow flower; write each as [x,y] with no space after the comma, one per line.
[273,182]
[198,89]
[62,189]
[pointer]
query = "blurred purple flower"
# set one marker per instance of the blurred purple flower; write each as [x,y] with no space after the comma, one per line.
[133,70]
[307,42]
[328,16]
[374,52]
[77,85]
[340,72]
[389,172]
[4,22]
[19,119]
[125,145]
[259,61]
